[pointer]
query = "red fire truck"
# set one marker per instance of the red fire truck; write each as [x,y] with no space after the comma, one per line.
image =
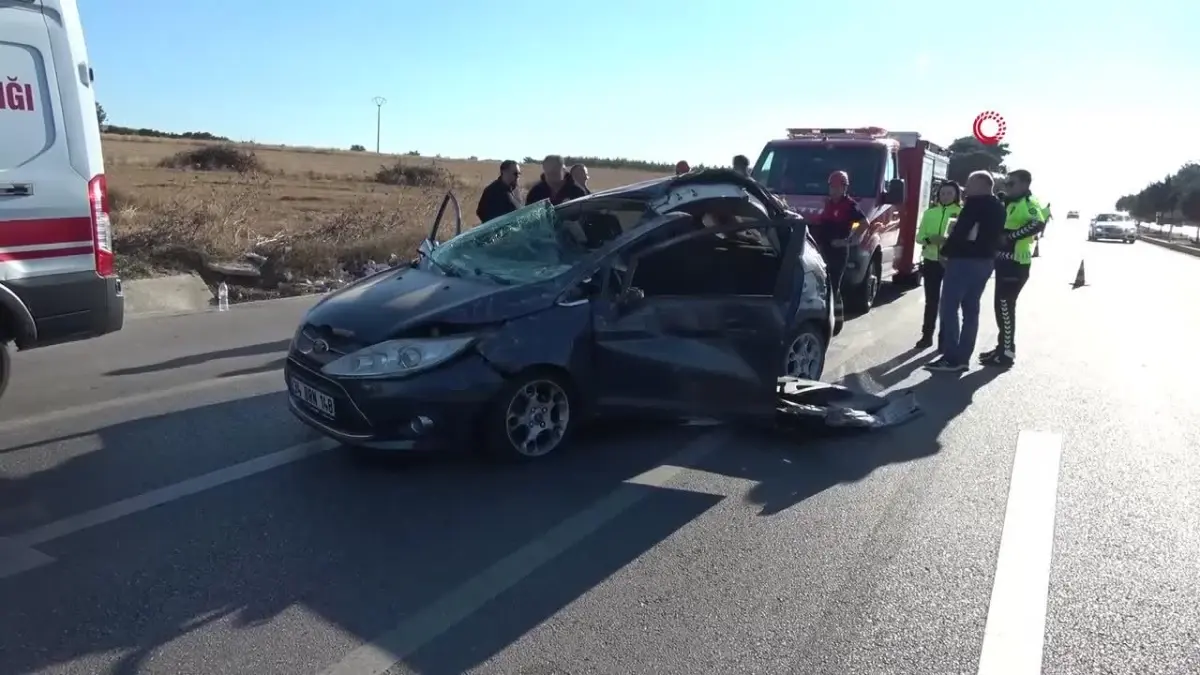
[892,176]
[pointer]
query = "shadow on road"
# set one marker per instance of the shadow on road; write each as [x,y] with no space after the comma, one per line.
[196,359]
[327,540]
[789,470]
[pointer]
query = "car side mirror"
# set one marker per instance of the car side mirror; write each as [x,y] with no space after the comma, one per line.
[895,192]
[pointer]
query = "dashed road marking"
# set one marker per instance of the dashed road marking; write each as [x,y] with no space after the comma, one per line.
[1015,633]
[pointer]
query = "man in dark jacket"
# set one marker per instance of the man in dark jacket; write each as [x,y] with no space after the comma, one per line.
[554,184]
[832,232]
[969,257]
[500,196]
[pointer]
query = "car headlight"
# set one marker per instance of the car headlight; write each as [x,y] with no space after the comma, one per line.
[397,357]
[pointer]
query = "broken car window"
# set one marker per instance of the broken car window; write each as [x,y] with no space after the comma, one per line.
[711,265]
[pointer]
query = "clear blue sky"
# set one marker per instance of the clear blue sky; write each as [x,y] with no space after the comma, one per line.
[1099,97]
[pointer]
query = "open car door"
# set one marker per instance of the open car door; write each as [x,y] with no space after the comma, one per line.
[431,242]
[704,344]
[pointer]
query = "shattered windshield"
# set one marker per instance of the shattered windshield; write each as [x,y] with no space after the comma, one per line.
[528,245]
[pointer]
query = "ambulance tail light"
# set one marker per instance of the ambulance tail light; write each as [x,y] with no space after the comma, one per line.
[101,225]
[861,133]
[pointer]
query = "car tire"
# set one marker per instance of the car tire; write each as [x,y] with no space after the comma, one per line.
[532,417]
[861,297]
[804,357]
[5,366]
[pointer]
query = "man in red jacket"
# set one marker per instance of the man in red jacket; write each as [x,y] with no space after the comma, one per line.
[832,232]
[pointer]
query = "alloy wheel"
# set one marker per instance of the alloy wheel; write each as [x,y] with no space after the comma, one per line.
[537,417]
[804,357]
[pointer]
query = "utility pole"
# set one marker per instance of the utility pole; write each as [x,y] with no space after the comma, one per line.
[378,101]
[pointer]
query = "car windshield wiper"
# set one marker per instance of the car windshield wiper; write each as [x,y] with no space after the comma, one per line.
[498,279]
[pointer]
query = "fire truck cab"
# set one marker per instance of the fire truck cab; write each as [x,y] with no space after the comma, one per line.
[892,177]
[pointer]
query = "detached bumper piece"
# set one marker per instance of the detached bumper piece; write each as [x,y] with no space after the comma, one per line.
[806,405]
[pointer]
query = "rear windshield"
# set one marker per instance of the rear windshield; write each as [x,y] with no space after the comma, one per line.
[804,168]
[23,108]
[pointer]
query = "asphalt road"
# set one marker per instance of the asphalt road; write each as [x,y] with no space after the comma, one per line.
[161,513]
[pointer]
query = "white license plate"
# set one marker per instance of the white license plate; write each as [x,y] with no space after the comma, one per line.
[314,399]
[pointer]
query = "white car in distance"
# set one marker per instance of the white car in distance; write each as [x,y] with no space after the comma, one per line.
[1117,226]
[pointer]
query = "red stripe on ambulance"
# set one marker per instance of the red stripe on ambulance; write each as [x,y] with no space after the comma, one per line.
[44,231]
[43,253]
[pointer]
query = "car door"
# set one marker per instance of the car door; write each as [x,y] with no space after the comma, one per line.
[708,354]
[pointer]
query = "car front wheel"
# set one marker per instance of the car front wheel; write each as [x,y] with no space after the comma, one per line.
[805,355]
[532,417]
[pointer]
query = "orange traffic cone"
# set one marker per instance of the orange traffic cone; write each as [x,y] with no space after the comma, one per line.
[1079,278]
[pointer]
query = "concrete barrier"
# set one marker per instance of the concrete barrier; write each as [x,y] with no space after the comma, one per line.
[176,293]
[1174,246]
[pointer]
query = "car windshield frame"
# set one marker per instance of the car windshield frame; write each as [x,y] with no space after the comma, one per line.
[863,162]
[1112,218]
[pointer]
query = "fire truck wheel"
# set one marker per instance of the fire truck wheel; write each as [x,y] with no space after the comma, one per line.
[861,297]
[911,280]
[5,366]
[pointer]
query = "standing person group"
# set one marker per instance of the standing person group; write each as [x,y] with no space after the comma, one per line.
[556,184]
[988,235]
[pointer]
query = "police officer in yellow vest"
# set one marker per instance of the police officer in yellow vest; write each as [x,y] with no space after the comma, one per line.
[931,233]
[1026,219]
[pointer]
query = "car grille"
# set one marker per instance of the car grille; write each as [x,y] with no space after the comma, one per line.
[349,418]
[316,346]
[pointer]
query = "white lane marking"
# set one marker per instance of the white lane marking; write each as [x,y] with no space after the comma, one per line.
[380,654]
[17,552]
[144,397]
[1015,633]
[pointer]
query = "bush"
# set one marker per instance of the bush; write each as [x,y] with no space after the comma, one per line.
[414,176]
[223,157]
[357,148]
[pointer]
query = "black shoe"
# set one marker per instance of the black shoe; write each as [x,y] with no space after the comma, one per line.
[946,365]
[925,342]
[990,354]
[999,361]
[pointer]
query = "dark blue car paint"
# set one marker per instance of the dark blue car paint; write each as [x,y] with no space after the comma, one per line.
[717,350]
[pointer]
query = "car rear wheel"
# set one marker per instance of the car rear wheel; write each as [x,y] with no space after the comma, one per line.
[805,356]
[533,416]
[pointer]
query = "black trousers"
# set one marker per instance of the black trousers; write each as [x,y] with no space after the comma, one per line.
[835,267]
[1010,279]
[931,274]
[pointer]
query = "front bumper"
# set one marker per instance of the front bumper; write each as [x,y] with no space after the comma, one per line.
[1114,234]
[435,410]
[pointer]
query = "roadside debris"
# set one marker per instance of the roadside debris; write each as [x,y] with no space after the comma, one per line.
[808,403]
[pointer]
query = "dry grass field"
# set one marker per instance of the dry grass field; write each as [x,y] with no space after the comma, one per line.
[319,208]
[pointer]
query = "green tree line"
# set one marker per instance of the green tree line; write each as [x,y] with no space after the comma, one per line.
[1169,201]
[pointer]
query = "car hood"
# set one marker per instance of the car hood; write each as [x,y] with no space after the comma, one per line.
[811,205]
[385,305]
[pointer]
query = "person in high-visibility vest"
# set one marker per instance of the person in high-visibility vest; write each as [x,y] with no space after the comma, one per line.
[1025,220]
[931,233]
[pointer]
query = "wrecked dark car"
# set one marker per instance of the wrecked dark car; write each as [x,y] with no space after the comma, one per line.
[680,297]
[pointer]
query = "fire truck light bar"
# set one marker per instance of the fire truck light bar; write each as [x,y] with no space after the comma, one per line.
[860,132]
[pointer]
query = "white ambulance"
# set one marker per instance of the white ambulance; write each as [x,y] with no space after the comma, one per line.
[57,282]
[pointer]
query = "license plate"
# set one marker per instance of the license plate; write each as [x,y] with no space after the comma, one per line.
[314,399]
